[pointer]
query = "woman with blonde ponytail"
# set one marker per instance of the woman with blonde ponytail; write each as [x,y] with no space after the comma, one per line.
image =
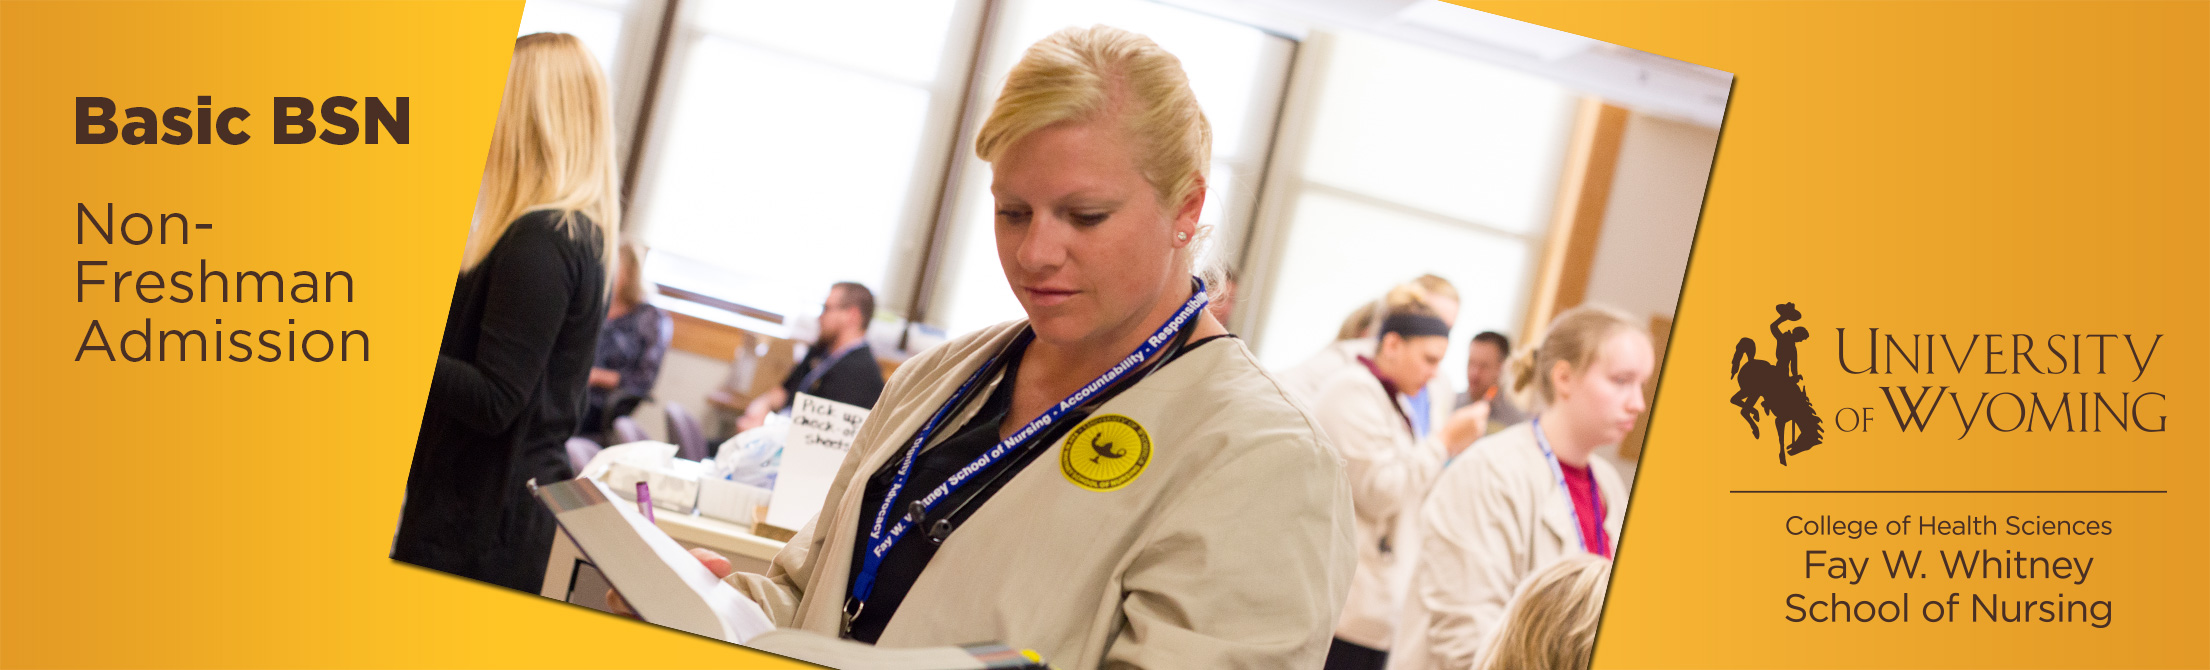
[525,316]
[1528,495]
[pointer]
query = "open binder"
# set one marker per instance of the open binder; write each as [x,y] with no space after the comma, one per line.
[660,579]
[666,585]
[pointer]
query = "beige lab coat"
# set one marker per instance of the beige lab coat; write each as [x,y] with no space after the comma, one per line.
[1306,380]
[1389,472]
[1495,516]
[1232,549]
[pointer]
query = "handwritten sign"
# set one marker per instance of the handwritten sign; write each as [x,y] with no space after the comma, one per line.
[821,433]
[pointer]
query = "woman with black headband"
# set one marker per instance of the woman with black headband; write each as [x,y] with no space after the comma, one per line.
[1366,414]
[1112,481]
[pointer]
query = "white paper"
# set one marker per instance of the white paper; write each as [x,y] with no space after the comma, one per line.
[831,652]
[821,433]
[662,581]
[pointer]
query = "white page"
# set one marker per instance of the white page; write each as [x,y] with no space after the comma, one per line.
[662,581]
[848,655]
[821,432]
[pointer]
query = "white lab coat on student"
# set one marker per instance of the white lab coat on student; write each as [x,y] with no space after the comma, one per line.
[1232,548]
[1306,380]
[1494,517]
[1389,472]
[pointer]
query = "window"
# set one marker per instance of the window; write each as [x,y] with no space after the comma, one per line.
[1417,161]
[597,22]
[793,145]
[798,145]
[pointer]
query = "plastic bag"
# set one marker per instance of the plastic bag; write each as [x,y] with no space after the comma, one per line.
[753,456]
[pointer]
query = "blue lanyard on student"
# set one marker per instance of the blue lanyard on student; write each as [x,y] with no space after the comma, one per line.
[879,540]
[1572,510]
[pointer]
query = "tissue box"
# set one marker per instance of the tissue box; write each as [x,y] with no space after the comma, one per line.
[730,501]
[675,489]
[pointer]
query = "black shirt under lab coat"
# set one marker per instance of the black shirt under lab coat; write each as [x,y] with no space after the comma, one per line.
[937,463]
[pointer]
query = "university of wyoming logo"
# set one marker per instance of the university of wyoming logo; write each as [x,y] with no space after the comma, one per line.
[1776,387]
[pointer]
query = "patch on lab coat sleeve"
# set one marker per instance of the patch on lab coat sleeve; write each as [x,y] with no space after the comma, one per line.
[1105,453]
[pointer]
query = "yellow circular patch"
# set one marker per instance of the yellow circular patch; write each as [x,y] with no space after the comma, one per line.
[1105,453]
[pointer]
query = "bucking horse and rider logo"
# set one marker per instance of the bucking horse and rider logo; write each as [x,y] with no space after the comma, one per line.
[1776,387]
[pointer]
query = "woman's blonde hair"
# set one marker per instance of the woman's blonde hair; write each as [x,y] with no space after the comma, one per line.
[1573,338]
[1408,297]
[1437,287]
[552,148]
[1551,623]
[1102,72]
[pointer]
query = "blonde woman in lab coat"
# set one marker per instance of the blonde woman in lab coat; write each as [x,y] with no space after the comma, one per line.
[1112,481]
[1529,495]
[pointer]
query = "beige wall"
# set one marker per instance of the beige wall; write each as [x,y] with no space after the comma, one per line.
[1650,223]
[1656,196]
[685,378]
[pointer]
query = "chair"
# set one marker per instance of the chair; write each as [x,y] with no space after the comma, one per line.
[626,431]
[580,451]
[623,403]
[689,439]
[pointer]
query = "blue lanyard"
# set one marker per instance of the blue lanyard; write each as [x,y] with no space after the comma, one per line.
[1571,510]
[879,540]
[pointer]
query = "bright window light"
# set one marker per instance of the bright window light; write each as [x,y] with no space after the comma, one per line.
[796,131]
[597,22]
[1343,253]
[1418,162]
[1450,135]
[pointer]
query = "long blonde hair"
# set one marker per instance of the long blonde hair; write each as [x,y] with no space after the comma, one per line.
[1551,623]
[1084,74]
[552,148]
[1573,338]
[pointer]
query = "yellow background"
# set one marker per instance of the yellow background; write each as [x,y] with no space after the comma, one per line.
[1966,167]
[1928,168]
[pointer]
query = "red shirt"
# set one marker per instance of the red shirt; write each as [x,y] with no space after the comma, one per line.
[1581,483]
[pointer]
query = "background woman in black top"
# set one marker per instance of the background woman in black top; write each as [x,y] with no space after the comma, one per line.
[525,317]
[631,346]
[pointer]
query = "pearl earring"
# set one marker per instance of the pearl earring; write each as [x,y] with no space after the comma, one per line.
[1181,237]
